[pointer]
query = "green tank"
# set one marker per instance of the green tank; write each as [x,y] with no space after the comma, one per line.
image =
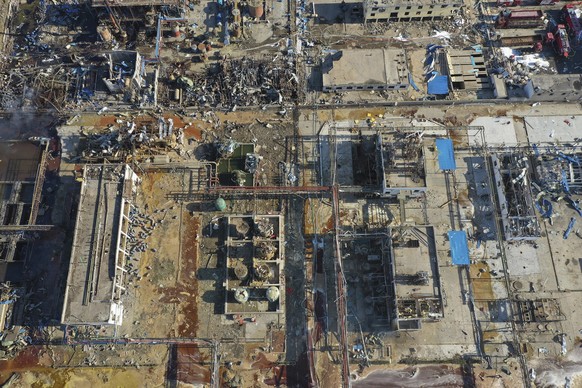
[220,204]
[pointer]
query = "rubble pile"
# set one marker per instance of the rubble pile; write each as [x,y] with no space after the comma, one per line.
[126,138]
[12,338]
[242,82]
[115,142]
[518,69]
[140,228]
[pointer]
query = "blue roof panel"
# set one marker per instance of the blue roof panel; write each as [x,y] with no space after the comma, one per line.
[439,85]
[459,247]
[446,154]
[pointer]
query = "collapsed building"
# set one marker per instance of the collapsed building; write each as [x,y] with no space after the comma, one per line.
[24,222]
[511,174]
[247,81]
[126,20]
[118,75]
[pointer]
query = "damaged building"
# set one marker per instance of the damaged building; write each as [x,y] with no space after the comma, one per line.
[210,207]
[386,161]
[121,75]
[409,11]
[125,20]
[386,290]
[103,246]
[23,170]
[511,175]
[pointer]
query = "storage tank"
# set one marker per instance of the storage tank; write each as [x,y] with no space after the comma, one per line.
[220,204]
[241,295]
[176,31]
[256,9]
[236,15]
[272,294]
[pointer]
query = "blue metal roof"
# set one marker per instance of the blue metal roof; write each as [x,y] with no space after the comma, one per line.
[446,154]
[438,85]
[459,247]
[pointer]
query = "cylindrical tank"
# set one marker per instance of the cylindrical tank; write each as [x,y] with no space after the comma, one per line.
[262,272]
[272,293]
[241,271]
[241,295]
[104,33]
[177,93]
[236,15]
[256,9]
[220,204]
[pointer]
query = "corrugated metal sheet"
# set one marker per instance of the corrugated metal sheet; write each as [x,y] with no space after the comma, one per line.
[459,247]
[446,154]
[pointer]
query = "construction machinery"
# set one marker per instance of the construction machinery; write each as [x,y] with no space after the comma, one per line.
[560,41]
[520,19]
[508,3]
[521,41]
[571,14]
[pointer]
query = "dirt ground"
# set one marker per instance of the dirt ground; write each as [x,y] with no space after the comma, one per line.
[66,366]
[88,377]
[162,303]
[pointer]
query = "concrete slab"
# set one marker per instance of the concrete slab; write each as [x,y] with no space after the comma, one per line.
[551,129]
[522,260]
[498,130]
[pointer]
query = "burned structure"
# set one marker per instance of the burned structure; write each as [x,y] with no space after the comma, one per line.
[120,76]
[512,173]
[23,169]
[386,161]
[402,153]
[386,288]
[128,20]
[241,219]
[416,282]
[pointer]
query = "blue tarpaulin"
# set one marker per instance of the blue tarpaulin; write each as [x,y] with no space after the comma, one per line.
[446,154]
[459,247]
[439,85]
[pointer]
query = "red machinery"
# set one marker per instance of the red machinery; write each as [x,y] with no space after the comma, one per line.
[560,41]
[508,3]
[571,15]
[520,19]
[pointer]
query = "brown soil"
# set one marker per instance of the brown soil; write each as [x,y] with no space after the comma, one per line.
[482,287]
[189,369]
[186,291]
